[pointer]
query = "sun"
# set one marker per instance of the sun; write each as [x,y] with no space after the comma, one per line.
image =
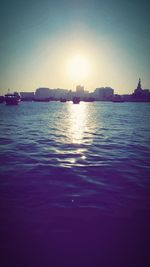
[78,68]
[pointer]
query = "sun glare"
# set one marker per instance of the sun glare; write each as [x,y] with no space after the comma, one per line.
[78,117]
[78,68]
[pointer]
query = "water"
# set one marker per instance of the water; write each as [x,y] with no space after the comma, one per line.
[60,160]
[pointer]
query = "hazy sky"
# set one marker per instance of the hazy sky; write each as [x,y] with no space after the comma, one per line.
[39,38]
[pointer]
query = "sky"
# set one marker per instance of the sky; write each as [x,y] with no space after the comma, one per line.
[40,41]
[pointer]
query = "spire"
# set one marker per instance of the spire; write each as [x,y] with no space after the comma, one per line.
[139,84]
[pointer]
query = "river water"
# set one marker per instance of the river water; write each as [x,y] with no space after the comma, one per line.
[62,160]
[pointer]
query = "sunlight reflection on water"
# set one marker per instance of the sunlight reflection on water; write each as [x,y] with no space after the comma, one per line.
[77,122]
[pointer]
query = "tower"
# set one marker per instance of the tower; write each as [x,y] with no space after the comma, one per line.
[138,91]
[139,85]
[80,90]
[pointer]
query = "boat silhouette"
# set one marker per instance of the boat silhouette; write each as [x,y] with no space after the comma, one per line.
[76,100]
[12,98]
[63,100]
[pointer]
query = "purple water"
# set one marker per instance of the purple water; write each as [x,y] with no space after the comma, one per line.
[75,184]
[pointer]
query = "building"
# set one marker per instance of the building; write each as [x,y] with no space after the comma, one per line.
[51,94]
[138,90]
[141,95]
[59,93]
[42,94]
[27,96]
[79,90]
[103,93]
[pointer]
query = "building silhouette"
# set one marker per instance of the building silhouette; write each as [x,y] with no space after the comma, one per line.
[138,90]
[141,95]
[42,93]
[51,94]
[103,93]
[27,96]
[80,91]
[100,94]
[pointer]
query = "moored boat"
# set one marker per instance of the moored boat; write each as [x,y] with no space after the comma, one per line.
[76,100]
[12,99]
[63,100]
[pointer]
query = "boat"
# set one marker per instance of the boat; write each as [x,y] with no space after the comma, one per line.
[76,100]
[63,100]
[12,99]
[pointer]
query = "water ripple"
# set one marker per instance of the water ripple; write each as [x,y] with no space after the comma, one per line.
[97,155]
